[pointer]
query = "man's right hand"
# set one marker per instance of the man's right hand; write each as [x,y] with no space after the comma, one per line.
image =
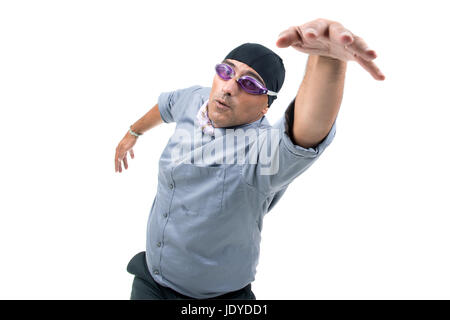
[126,145]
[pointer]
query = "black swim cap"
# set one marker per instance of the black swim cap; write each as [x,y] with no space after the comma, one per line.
[264,61]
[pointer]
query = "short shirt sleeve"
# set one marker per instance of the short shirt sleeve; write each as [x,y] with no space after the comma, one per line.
[286,160]
[172,104]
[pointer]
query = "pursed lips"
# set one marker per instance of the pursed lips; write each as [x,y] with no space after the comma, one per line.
[222,103]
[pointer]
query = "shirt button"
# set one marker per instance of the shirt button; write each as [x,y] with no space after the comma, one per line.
[171,186]
[165,214]
[159,244]
[156,272]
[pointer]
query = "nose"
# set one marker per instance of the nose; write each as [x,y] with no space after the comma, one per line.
[231,86]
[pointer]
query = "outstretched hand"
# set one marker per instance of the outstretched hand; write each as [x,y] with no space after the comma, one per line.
[330,39]
[125,145]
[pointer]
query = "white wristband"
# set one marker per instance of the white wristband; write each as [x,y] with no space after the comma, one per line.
[134,133]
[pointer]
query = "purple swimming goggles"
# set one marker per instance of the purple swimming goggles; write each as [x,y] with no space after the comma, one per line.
[249,84]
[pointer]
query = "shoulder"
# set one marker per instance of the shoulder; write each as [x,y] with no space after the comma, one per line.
[197,92]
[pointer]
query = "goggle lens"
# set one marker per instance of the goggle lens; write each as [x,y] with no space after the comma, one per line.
[224,71]
[250,86]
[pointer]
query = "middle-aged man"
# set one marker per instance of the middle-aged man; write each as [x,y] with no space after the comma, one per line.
[204,227]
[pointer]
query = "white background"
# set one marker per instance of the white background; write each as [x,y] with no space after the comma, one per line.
[369,220]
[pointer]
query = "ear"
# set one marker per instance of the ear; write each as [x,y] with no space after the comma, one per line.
[264,111]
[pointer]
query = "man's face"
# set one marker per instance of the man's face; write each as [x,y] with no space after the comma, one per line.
[243,107]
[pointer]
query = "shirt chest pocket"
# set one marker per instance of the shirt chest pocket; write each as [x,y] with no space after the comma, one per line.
[199,190]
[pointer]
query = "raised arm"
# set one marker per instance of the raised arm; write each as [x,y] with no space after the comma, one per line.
[318,100]
[150,120]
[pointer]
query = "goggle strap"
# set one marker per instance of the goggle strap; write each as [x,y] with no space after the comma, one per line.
[271,93]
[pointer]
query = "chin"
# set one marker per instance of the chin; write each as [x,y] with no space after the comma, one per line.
[219,119]
[217,122]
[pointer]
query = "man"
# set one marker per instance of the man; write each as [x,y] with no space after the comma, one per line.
[204,227]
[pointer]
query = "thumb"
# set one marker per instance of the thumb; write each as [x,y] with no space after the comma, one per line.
[287,37]
[282,42]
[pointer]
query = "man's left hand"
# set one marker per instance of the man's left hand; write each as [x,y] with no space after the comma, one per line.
[330,39]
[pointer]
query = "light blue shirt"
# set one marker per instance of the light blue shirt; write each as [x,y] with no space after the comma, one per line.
[204,227]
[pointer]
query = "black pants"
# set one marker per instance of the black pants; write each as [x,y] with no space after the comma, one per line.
[146,288]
